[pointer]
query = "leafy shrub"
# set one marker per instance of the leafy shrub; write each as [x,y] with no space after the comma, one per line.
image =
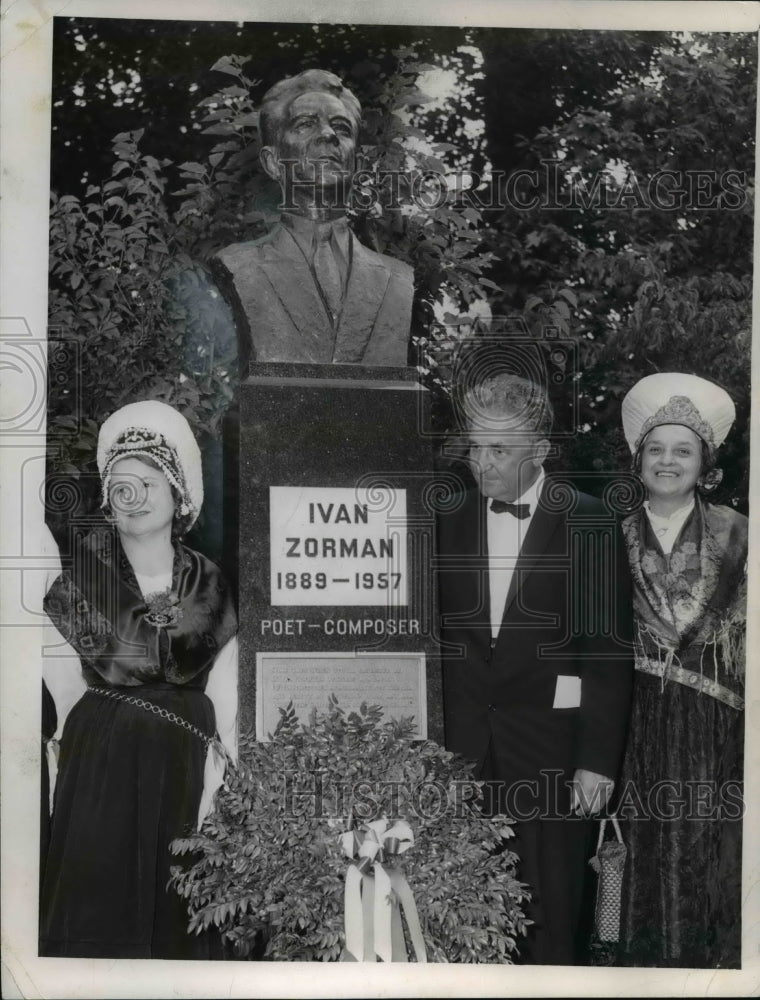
[118,291]
[637,289]
[134,314]
[270,865]
[127,261]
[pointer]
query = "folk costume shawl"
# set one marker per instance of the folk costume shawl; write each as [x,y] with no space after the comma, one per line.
[121,637]
[691,605]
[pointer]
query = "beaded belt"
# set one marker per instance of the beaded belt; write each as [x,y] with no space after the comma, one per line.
[691,679]
[163,713]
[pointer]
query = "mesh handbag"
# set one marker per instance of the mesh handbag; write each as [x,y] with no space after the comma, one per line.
[608,863]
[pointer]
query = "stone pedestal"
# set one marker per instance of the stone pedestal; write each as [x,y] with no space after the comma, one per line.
[335,544]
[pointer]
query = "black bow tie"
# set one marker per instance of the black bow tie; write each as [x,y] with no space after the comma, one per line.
[520,510]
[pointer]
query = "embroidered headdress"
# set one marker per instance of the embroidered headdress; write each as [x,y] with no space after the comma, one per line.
[675,398]
[158,432]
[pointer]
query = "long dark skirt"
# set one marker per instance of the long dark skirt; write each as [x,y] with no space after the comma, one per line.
[129,782]
[682,884]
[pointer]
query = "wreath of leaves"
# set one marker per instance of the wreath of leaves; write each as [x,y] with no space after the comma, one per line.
[267,868]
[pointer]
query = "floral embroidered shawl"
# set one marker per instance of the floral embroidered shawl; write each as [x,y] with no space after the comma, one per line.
[691,605]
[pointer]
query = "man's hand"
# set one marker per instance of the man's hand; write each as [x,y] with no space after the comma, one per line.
[591,792]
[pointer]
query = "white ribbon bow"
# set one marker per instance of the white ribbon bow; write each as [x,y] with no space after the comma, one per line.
[372,915]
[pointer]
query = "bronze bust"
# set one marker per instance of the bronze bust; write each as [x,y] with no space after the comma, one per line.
[309,291]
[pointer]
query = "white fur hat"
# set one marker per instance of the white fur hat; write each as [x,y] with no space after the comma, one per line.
[154,430]
[675,398]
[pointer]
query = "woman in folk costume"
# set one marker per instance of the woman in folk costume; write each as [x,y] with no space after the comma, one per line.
[682,889]
[146,699]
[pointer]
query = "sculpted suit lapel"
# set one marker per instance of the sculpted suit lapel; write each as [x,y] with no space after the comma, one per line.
[281,314]
[298,294]
[368,279]
[301,299]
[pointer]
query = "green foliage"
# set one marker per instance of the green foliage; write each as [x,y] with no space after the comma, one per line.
[114,266]
[637,287]
[268,864]
[638,282]
[127,276]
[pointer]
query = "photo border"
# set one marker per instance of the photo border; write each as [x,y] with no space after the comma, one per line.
[25,70]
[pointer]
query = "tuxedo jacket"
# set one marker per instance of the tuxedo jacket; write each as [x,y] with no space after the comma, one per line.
[552,692]
[282,315]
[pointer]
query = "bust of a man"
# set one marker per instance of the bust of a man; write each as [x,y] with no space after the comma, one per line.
[309,291]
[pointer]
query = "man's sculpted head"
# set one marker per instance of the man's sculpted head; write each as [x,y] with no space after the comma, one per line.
[309,125]
[275,103]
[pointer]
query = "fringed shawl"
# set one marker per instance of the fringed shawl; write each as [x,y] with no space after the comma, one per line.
[690,606]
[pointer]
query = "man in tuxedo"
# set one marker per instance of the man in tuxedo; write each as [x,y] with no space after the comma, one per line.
[309,291]
[536,625]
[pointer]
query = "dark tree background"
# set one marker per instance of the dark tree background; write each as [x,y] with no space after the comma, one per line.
[154,167]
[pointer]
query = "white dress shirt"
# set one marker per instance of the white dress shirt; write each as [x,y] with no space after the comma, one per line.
[506,534]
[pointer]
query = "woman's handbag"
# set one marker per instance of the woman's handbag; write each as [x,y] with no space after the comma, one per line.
[608,863]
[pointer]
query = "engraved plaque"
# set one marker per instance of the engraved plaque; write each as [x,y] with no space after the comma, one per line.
[395,681]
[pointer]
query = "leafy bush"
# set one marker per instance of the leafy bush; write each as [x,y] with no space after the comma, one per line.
[270,866]
[128,283]
[118,291]
[636,289]
[133,311]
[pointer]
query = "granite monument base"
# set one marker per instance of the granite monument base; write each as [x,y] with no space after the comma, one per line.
[335,545]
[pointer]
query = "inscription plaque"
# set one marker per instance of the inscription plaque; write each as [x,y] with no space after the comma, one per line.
[395,681]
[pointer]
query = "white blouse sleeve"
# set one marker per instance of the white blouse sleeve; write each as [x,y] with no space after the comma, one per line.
[48,570]
[222,689]
[61,667]
[62,673]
